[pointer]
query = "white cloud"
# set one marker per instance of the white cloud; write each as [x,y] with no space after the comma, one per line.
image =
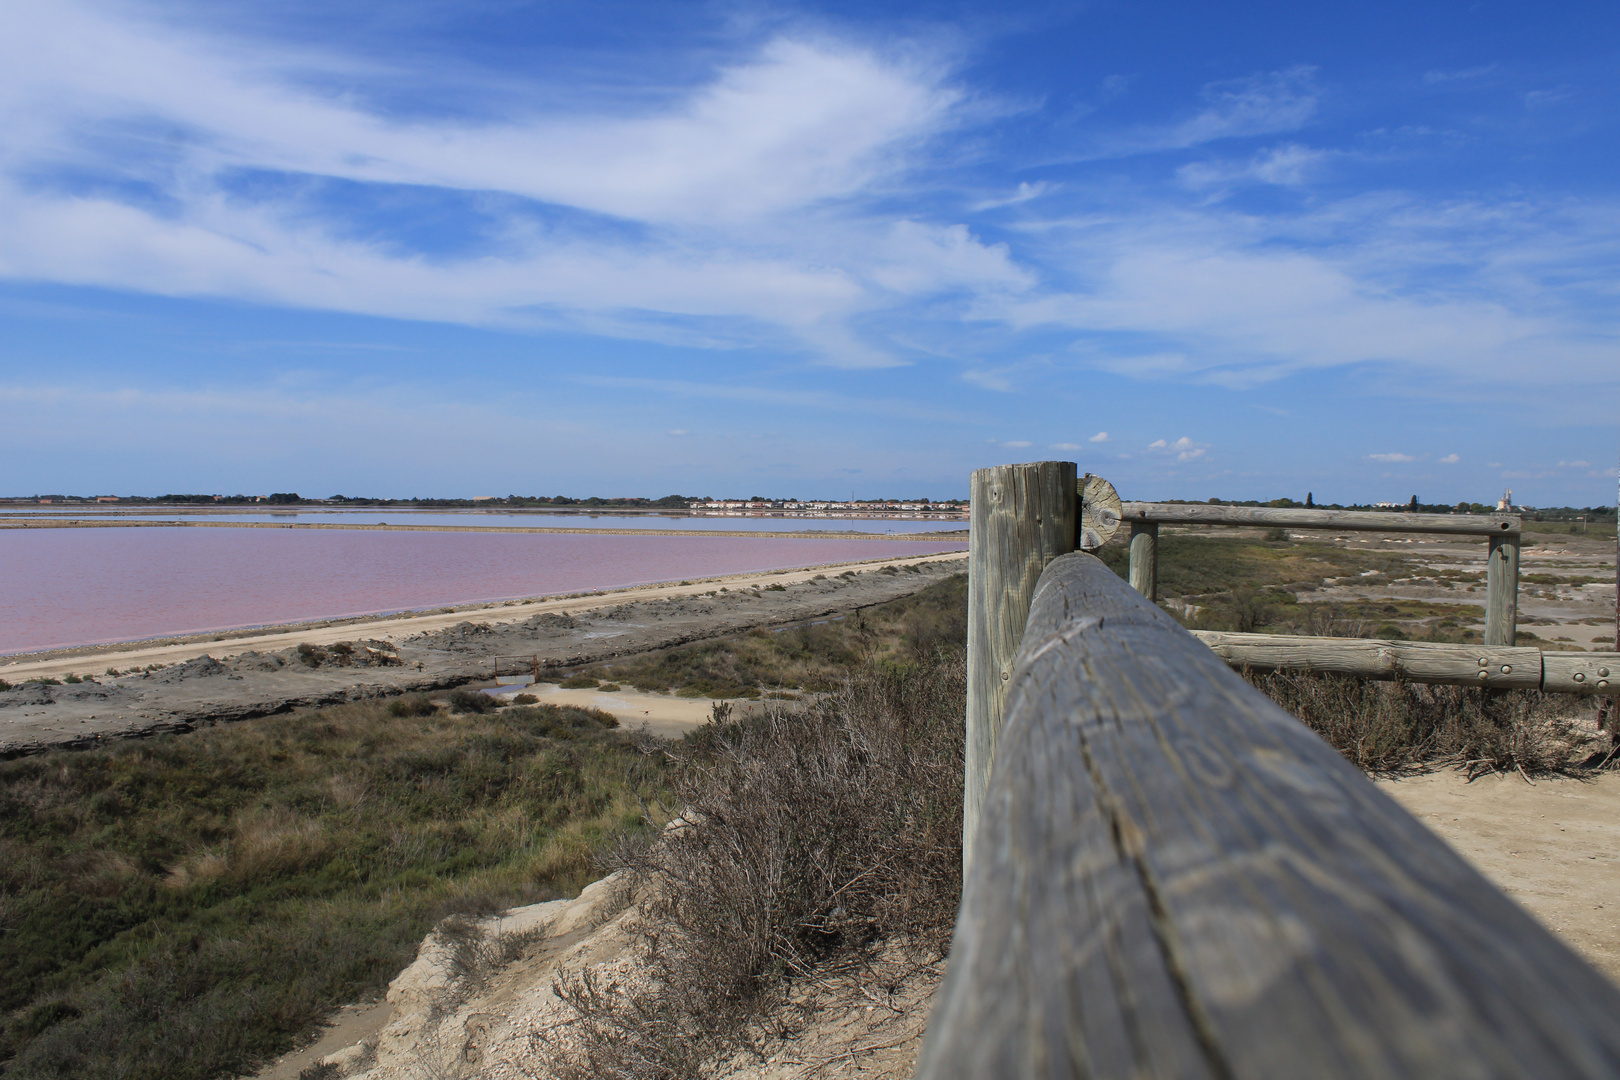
[733,187]
[1018,445]
[1449,459]
[1288,166]
[928,258]
[1574,464]
[799,122]
[679,431]
[1101,436]
[1391,458]
[1066,446]
[1265,104]
[988,380]
[1464,75]
[1024,193]
[1463,292]
[1183,448]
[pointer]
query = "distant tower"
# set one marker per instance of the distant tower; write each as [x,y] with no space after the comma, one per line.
[1506,502]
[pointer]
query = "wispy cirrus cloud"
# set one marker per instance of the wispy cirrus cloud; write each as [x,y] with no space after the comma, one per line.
[1264,104]
[715,213]
[1285,166]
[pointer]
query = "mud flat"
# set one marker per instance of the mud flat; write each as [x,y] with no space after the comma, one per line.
[179,684]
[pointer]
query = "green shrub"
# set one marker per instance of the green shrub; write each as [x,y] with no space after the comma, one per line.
[578,682]
[465,701]
[412,705]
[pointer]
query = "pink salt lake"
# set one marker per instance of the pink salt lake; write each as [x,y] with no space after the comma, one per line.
[66,587]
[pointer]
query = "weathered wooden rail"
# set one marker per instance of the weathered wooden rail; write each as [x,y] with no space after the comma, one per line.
[1169,876]
[1494,666]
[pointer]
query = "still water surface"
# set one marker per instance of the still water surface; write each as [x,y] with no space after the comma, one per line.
[64,587]
[490,519]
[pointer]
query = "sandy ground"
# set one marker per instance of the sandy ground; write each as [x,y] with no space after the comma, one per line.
[1552,845]
[665,716]
[1565,614]
[206,680]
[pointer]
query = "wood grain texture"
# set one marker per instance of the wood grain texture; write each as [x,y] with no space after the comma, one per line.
[1495,666]
[1336,520]
[1144,567]
[1502,591]
[1415,661]
[1581,673]
[1175,878]
[1021,517]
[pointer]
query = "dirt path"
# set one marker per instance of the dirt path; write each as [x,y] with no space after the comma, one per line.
[1554,846]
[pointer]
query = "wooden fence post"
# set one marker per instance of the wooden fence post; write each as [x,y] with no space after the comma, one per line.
[1021,517]
[1145,558]
[1502,591]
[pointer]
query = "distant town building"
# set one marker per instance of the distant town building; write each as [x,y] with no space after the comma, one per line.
[1505,503]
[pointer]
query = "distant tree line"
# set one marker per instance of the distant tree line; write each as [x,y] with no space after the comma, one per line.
[1415,506]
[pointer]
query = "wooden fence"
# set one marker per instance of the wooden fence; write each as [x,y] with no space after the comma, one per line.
[1502,532]
[1168,876]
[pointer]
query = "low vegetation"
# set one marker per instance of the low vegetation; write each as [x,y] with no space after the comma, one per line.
[813,657]
[1264,585]
[825,842]
[188,905]
[1386,727]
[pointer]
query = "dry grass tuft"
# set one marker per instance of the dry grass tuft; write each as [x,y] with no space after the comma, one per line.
[1391,727]
[811,844]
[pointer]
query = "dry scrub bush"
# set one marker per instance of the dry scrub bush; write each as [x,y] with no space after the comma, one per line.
[806,842]
[1387,727]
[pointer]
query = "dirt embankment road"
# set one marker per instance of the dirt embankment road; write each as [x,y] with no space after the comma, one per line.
[214,678]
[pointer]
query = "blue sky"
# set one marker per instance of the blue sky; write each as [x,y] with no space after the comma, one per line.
[1366,251]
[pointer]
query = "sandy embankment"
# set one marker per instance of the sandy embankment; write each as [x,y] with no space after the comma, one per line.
[1552,845]
[210,678]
